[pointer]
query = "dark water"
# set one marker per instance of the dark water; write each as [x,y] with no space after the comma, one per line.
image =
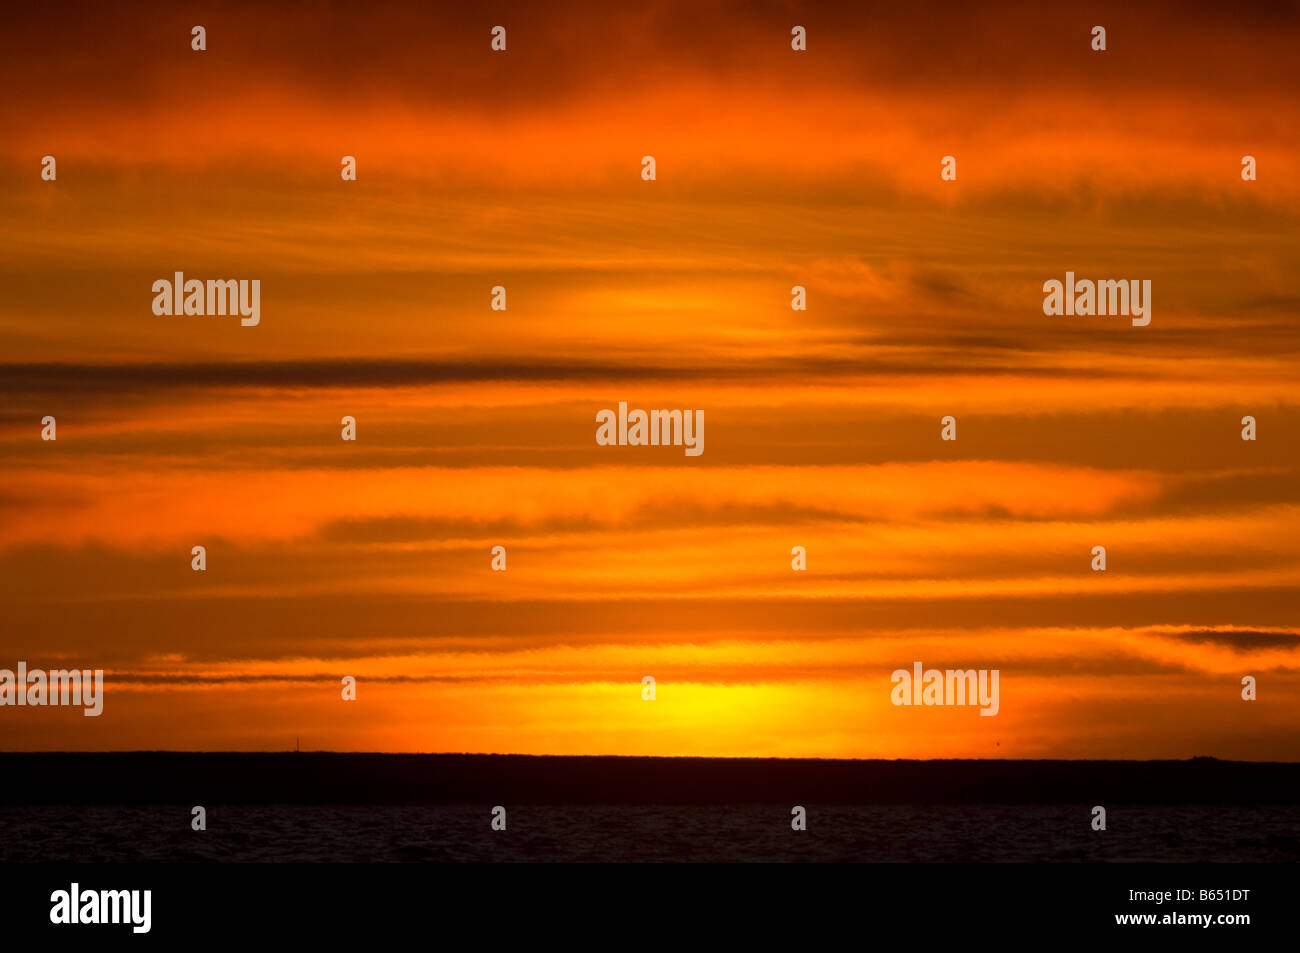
[440,833]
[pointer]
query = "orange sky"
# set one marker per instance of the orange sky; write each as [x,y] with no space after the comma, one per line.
[476,427]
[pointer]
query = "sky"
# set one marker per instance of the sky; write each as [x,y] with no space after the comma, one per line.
[476,427]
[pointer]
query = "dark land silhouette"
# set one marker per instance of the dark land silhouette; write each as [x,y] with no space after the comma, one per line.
[351,778]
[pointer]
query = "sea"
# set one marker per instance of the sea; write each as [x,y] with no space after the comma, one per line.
[440,833]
